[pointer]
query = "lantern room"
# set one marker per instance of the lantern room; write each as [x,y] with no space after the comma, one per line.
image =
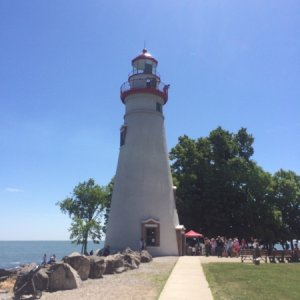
[144,79]
[144,63]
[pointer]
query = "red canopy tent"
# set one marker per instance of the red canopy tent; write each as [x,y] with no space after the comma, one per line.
[193,246]
[193,234]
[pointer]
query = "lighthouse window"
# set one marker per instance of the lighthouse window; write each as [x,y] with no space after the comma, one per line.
[148,68]
[158,107]
[123,135]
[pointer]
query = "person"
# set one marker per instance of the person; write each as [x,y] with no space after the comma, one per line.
[295,254]
[255,243]
[244,244]
[256,254]
[52,259]
[207,247]
[106,251]
[228,246]
[236,247]
[287,246]
[213,246]
[220,246]
[142,244]
[44,262]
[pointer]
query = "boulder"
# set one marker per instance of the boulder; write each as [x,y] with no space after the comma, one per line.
[114,264]
[145,256]
[41,279]
[132,259]
[25,274]
[63,277]
[25,269]
[97,266]
[9,272]
[80,263]
[120,270]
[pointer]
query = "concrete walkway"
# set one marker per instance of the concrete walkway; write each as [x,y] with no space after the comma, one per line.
[187,281]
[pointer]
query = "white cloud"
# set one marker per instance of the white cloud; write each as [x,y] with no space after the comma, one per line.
[14,190]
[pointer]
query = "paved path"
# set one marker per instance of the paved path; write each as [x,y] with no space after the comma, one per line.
[187,281]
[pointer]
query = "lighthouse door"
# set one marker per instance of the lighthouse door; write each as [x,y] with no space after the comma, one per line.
[151,236]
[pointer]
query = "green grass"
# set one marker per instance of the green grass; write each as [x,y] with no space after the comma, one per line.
[160,280]
[247,281]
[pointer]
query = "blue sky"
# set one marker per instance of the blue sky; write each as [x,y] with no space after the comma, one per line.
[230,63]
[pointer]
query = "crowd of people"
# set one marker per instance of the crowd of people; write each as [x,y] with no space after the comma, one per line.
[221,246]
[230,247]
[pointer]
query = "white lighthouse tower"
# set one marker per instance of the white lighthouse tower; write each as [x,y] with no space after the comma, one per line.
[143,204]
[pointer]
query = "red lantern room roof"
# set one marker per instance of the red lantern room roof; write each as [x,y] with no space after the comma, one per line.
[145,55]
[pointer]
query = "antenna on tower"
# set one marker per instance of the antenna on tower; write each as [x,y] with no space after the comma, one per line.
[144,44]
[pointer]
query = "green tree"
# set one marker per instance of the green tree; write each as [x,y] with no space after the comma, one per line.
[286,195]
[109,190]
[220,190]
[86,208]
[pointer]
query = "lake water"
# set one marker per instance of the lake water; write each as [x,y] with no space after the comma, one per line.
[15,253]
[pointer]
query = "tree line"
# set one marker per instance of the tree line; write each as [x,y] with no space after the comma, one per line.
[221,190]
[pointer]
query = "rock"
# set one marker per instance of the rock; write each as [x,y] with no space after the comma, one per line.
[132,259]
[113,262]
[145,256]
[97,266]
[63,277]
[26,269]
[23,280]
[10,272]
[80,263]
[3,278]
[41,279]
[120,270]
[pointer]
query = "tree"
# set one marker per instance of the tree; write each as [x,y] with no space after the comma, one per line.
[286,195]
[109,190]
[86,208]
[220,190]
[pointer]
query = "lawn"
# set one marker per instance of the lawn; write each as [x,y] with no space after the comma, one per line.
[248,281]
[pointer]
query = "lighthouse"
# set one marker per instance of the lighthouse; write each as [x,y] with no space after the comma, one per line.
[143,204]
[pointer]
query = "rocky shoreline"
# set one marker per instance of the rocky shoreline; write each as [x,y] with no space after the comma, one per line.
[93,276]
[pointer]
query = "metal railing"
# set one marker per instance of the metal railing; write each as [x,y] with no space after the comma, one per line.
[145,85]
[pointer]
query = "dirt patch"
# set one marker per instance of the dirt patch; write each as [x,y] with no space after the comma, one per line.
[8,284]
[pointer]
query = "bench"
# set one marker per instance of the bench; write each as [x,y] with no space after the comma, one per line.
[288,255]
[264,254]
[276,256]
[249,254]
[281,256]
[246,254]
